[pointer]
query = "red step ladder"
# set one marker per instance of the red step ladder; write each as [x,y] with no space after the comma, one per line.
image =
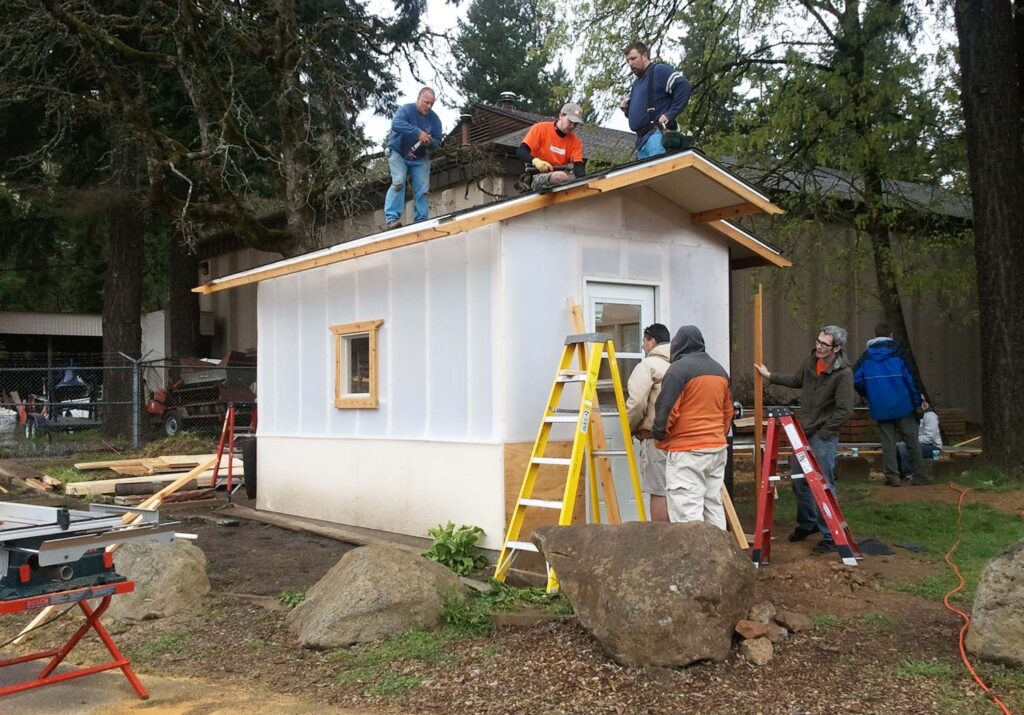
[226,444]
[781,421]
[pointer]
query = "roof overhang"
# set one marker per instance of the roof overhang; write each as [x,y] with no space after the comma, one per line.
[706,191]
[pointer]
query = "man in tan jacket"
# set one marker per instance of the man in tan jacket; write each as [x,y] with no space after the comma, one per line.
[643,389]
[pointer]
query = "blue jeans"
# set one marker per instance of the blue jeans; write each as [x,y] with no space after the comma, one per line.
[652,146]
[394,202]
[807,516]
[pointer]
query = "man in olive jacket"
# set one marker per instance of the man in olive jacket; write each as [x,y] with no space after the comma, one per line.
[825,381]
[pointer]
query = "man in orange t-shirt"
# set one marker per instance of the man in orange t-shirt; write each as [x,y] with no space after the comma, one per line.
[551,144]
[691,420]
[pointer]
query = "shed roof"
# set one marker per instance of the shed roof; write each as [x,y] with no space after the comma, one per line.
[65,324]
[702,188]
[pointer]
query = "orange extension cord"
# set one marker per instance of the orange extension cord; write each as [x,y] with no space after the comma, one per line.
[963,616]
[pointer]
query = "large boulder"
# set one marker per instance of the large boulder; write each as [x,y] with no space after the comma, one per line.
[653,593]
[373,592]
[997,622]
[168,579]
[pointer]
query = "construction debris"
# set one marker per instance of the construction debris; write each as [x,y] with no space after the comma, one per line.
[145,475]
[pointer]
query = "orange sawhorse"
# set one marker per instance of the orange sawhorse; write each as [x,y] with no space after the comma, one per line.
[57,655]
[781,422]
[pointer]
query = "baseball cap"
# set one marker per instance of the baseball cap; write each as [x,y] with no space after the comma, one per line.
[573,111]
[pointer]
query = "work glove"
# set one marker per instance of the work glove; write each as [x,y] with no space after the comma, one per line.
[541,165]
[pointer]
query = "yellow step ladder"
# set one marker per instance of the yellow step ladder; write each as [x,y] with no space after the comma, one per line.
[585,416]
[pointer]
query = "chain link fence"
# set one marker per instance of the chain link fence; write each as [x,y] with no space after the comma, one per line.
[119,403]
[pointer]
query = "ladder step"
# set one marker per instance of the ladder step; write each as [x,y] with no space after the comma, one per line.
[563,461]
[588,338]
[521,546]
[609,453]
[542,503]
[571,419]
[572,378]
[569,411]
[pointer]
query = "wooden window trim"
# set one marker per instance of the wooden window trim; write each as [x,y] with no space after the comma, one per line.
[371,401]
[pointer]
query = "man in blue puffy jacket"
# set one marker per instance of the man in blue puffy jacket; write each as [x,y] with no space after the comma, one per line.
[659,94]
[415,134]
[882,376]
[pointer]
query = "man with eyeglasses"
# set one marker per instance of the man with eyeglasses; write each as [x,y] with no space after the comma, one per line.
[825,381]
[642,390]
[549,145]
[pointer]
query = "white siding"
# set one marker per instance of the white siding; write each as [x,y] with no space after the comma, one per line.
[633,235]
[436,345]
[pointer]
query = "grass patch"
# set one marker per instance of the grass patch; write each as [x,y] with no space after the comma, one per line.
[183,443]
[988,479]
[68,475]
[876,621]
[928,668]
[170,643]
[471,615]
[826,620]
[391,684]
[291,598]
[372,665]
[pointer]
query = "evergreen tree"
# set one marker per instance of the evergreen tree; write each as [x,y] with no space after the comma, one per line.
[505,47]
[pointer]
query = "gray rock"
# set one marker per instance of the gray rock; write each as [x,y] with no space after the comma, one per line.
[776,633]
[997,620]
[794,622]
[758,651]
[653,593]
[762,612]
[169,578]
[373,592]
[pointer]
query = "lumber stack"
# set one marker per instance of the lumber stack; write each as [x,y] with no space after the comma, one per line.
[157,472]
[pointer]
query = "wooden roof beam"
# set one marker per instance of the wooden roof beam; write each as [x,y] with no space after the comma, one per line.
[726,212]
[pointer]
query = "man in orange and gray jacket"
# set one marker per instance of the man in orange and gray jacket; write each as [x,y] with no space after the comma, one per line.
[691,420]
[643,389]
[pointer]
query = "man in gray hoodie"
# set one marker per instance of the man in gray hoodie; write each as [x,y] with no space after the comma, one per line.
[825,380]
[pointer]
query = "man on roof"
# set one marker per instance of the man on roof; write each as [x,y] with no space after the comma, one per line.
[659,94]
[554,150]
[415,134]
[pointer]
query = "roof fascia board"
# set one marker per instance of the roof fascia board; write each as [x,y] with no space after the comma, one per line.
[749,242]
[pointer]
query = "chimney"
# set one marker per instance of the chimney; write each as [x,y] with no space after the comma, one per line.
[508,100]
[465,120]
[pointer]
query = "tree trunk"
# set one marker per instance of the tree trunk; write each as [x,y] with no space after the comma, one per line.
[993,114]
[182,303]
[122,289]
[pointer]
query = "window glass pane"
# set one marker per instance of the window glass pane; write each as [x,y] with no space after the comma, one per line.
[622,322]
[358,356]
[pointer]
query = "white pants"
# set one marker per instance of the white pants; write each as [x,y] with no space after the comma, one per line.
[694,483]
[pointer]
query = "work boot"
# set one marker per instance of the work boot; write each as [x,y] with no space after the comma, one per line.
[893,482]
[397,223]
[800,533]
[824,547]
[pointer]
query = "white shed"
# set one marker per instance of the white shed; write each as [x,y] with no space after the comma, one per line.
[402,376]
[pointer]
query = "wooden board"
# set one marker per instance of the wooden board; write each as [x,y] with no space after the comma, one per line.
[106,486]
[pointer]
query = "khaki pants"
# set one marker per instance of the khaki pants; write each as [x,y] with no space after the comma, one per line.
[652,468]
[694,482]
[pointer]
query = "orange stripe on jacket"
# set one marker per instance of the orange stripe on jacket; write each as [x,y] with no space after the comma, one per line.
[701,416]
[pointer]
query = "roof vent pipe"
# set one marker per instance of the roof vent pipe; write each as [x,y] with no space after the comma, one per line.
[465,120]
[508,100]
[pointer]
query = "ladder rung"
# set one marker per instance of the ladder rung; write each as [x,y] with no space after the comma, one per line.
[521,546]
[568,411]
[564,373]
[542,503]
[609,453]
[567,418]
[571,378]
[564,461]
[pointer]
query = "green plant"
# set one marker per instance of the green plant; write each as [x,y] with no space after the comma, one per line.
[826,620]
[170,643]
[507,598]
[927,668]
[291,598]
[466,616]
[391,684]
[455,547]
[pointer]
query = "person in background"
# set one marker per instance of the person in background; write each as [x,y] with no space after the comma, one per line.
[825,381]
[883,377]
[642,390]
[659,94]
[415,134]
[928,436]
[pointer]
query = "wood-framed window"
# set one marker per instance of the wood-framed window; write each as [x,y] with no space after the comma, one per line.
[355,364]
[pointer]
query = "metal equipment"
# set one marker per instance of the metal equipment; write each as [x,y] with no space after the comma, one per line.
[51,556]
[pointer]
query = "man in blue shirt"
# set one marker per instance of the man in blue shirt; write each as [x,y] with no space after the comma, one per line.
[415,133]
[659,94]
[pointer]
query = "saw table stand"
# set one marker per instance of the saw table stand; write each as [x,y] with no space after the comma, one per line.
[57,655]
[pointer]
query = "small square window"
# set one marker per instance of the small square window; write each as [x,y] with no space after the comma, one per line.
[356,364]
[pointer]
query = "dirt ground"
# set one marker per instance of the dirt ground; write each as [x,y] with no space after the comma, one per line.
[865,656]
